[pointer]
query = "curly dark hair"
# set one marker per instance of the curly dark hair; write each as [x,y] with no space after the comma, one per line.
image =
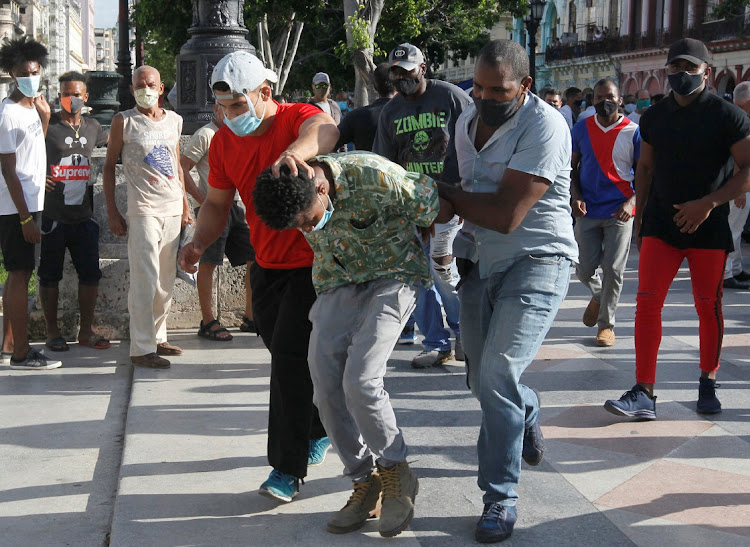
[279,200]
[21,50]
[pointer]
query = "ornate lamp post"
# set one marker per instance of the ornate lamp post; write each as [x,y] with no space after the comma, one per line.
[124,96]
[218,29]
[532,20]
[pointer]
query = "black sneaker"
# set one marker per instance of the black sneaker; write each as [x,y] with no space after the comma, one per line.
[496,523]
[35,360]
[533,440]
[708,403]
[635,403]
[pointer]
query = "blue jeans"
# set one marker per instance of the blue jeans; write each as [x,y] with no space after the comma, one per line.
[504,320]
[428,313]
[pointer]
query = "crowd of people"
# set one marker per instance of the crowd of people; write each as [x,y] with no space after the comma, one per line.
[461,214]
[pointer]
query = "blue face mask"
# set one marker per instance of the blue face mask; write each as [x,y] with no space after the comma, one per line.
[326,214]
[28,85]
[343,105]
[247,122]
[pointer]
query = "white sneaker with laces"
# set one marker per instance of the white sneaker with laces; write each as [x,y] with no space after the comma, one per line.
[35,360]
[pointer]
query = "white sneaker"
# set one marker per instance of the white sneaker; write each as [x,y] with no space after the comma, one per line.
[5,358]
[35,360]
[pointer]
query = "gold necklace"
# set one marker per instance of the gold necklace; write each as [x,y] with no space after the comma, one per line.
[77,131]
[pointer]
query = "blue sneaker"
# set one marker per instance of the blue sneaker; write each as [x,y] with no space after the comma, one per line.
[635,403]
[318,450]
[496,523]
[280,486]
[408,337]
[708,403]
[533,440]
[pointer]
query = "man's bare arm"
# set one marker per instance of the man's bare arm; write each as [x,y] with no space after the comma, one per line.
[190,187]
[31,233]
[116,221]
[502,211]
[317,135]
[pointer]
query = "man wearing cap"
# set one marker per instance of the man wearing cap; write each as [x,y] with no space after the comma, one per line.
[149,139]
[321,87]
[259,133]
[686,142]
[416,130]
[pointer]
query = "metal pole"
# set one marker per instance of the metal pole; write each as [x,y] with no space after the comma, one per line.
[123,59]
[531,27]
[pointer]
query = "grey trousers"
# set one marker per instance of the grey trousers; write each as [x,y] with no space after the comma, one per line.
[355,328]
[603,242]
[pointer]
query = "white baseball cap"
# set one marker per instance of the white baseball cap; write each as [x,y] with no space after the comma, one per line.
[242,72]
[321,78]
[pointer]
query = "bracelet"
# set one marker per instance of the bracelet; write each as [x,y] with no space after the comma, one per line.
[28,219]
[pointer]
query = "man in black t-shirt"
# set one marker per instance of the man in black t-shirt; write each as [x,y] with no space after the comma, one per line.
[416,130]
[361,124]
[683,185]
[67,219]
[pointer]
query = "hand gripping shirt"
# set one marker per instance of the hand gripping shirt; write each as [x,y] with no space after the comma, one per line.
[371,232]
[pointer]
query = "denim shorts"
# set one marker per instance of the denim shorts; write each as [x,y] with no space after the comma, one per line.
[82,240]
[17,253]
[234,241]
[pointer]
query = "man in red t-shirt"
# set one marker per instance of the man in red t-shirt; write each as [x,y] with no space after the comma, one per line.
[258,133]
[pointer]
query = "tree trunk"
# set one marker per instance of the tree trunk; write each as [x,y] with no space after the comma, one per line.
[364,92]
[279,56]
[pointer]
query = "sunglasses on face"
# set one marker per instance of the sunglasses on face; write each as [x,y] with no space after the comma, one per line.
[321,86]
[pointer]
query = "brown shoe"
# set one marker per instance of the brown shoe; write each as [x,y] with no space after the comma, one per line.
[605,338]
[591,315]
[150,360]
[363,504]
[400,487]
[166,348]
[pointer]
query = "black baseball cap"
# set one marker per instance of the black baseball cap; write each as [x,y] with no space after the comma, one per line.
[689,49]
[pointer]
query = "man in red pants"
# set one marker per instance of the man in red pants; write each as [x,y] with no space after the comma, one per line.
[683,187]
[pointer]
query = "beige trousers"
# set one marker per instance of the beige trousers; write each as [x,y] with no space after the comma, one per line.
[152,254]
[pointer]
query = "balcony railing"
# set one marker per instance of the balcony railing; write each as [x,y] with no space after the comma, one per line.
[711,31]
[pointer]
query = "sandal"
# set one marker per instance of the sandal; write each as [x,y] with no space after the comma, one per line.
[96,342]
[57,344]
[248,325]
[206,332]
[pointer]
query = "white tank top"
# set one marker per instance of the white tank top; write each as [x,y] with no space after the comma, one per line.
[149,160]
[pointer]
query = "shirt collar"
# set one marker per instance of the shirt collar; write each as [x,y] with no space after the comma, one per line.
[703,97]
[507,126]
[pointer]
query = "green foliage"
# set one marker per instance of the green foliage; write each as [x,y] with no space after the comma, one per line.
[361,41]
[442,26]
[729,9]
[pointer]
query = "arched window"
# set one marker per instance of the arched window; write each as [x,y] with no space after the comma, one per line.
[572,16]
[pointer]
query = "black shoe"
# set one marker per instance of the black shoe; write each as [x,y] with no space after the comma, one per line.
[732,283]
[708,403]
[742,277]
[533,440]
[496,523]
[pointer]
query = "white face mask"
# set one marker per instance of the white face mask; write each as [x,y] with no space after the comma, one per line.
[146,97]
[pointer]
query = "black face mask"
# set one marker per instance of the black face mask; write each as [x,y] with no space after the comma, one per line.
[494,113]
[407,86]
[605,108]
[684,83]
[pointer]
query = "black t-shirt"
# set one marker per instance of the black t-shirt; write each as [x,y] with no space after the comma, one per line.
[68,163]
[418,134]
[691,152]
[360,125]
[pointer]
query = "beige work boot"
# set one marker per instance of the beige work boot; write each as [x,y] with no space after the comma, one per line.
[363,504]
[591,315]
[605,338]
[400,487]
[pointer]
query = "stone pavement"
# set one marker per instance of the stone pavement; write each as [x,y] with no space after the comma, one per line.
[194,446]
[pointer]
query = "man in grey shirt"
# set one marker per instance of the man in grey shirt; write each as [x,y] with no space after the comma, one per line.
[517,246]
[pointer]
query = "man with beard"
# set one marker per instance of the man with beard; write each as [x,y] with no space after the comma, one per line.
[517,247]
[416,130]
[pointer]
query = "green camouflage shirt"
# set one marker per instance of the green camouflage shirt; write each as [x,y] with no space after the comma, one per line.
[371,232]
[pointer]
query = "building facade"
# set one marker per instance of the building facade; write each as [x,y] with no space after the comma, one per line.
[106,49]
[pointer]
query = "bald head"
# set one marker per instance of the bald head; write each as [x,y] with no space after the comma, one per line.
[145,71]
